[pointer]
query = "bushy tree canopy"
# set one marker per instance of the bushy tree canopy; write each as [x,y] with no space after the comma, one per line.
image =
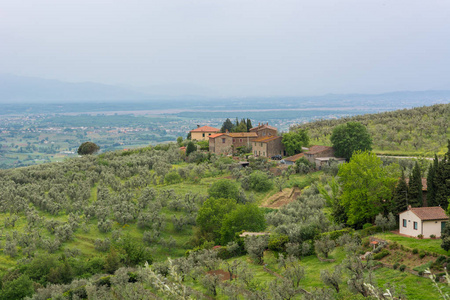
[350,137]
[366,186]
[294,141]
[88,148]
[224,188]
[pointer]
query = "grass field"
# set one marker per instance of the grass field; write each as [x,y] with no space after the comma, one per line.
[430,245]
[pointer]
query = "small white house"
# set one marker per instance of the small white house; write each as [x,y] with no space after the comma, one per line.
[422,220]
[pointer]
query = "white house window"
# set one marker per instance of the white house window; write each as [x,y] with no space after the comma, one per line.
[203,135]
[415,225]
[404,223]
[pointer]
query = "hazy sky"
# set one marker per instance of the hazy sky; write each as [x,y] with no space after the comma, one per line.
[234,47]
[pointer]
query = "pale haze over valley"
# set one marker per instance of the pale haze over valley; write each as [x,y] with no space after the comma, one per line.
[231,48]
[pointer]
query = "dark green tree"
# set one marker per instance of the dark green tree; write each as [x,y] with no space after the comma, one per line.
[350,137]
[227,125]
[400,196]
[249,125]
[190,148]
[224,188]
[431,185]
[210,216]
[442,180]
[294,141]
[247,217]
[445,236]
[17,289]
[415,187]
[88,148]
[242,127]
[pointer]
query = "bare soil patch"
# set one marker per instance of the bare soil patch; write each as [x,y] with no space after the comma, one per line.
[223,275]
[281,198]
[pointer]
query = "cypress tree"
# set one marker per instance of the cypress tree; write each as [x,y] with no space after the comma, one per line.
[415,187]
[431,186]
[400,196]
[249,125]
[442,181]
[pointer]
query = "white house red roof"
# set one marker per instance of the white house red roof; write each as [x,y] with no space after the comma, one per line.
[429,213]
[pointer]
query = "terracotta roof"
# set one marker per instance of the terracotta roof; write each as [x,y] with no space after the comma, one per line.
[424,183]
[430,213]
[294,157]
[216,135]
[318,149]
[205,129]
[266,139]
[264,126]
[243,134]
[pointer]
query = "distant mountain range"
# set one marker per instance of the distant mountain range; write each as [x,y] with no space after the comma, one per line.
[19,89]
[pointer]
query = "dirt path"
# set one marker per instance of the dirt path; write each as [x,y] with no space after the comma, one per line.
[281,198]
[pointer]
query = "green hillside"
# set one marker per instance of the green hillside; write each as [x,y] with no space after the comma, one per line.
[418,131]
[154,224]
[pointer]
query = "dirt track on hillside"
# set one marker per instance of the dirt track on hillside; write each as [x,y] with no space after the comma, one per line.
[281,198]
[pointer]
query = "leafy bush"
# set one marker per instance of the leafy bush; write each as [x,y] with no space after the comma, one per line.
[381,255]
[420,236]
[402,268]
[369,231]
[415,251]
[260,182]
[172,177]
[367,225]
[334,235]
[277,243]
[396,265]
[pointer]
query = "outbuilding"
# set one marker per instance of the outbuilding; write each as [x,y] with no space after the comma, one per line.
[425,221]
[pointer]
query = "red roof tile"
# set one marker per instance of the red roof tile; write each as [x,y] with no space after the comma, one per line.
[318,149]
[243,134]
[263,126]
[205,129]
[430,213]
[294,157]
[266,139]
[212,136]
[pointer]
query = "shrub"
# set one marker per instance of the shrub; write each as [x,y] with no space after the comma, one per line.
[260,182]
[415,251]
[432,236]
[396,265]
[420,273]
[367,225]
[369,231]
[172,177]
[420,236]
[402,268]
[382,254]
[278,243]
[394,246]
[422,254]
[334,235]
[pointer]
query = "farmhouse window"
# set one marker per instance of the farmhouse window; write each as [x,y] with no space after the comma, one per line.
[223,141]
[234,140]
[203,135]
[415,226]
[240,140]
[404,223]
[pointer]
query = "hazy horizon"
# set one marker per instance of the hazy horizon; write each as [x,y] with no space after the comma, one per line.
[231,48]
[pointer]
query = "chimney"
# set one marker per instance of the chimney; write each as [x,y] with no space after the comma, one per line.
[409,207]
[198,126]
[259,124]
[267,124]
[226,131]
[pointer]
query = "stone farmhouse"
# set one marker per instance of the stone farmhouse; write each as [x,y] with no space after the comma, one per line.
[321,156]
[269,143]
[425,221]
[268,146]
[227,143]
[203,133]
